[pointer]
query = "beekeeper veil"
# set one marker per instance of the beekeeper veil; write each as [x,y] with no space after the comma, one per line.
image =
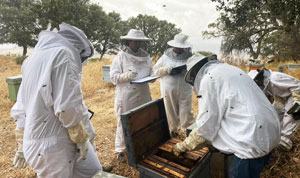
[261,77]
[79,40]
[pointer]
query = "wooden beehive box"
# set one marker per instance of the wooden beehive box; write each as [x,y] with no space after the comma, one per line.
[291,67]
[148,145]
[255,66]
[105,73]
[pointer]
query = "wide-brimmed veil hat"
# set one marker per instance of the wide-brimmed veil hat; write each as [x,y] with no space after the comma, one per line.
[136,35]
[180,41]
[194,64]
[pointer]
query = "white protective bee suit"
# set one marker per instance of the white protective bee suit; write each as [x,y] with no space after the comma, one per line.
[176,92]
[234,114]
[50,105]
[285,90]
[129,96]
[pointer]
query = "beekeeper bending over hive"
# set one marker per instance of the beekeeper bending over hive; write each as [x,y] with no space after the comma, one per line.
[50,113]
[285,91]
[176,92]
[131,63]
[234,116]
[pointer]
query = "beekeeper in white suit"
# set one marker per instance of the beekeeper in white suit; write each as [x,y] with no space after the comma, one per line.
[176,92]
[50,113]
[132,62]
[234,116]
[285,91]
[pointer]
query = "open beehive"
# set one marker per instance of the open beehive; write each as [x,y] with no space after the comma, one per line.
[148,145]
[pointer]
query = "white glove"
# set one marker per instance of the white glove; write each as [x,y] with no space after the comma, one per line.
[278,103]
[83,150]
[191,143]
[296,96]
[127,76]
[79,136]
[162,71]
[78,133]
[19,160]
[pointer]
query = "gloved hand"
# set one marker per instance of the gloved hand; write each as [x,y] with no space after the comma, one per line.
[162,71]
[278,103]
[83,150]
[127,76]
[191,143]
[296,96]
[177,151]
[19,160]
[79,136]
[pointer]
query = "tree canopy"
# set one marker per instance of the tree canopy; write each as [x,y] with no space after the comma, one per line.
[22,20]
[18,23]
[253,26]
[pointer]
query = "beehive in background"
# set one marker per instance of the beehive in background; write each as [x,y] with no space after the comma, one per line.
[14,83]
[255,66]
[289,67]
[105,74]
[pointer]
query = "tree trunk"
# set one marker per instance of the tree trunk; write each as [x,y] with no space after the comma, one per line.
[102,54]
[24,50]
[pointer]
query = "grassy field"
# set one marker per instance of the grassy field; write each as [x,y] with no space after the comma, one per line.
[99,97]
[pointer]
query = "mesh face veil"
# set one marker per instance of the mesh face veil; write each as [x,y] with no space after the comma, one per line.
[78,39]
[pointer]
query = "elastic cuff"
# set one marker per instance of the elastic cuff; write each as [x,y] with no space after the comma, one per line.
[19,132]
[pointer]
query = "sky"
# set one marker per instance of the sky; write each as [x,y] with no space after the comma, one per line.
[191,16]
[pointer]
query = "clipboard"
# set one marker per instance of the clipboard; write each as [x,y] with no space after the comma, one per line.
[92,114]
[144,80]
[178,69]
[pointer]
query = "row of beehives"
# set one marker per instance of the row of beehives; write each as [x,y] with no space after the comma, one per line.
[15,81]
[283,68]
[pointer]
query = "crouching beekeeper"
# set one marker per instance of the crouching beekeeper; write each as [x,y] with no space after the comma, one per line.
[52,120]
[285,91]
[234,116]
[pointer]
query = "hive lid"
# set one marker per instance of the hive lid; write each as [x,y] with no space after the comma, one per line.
[144,128]
[17,78]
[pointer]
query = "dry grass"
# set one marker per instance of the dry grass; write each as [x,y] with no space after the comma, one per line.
[8,68]
[99,97]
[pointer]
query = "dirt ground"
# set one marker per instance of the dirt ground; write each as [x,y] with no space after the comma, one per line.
[99,97]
